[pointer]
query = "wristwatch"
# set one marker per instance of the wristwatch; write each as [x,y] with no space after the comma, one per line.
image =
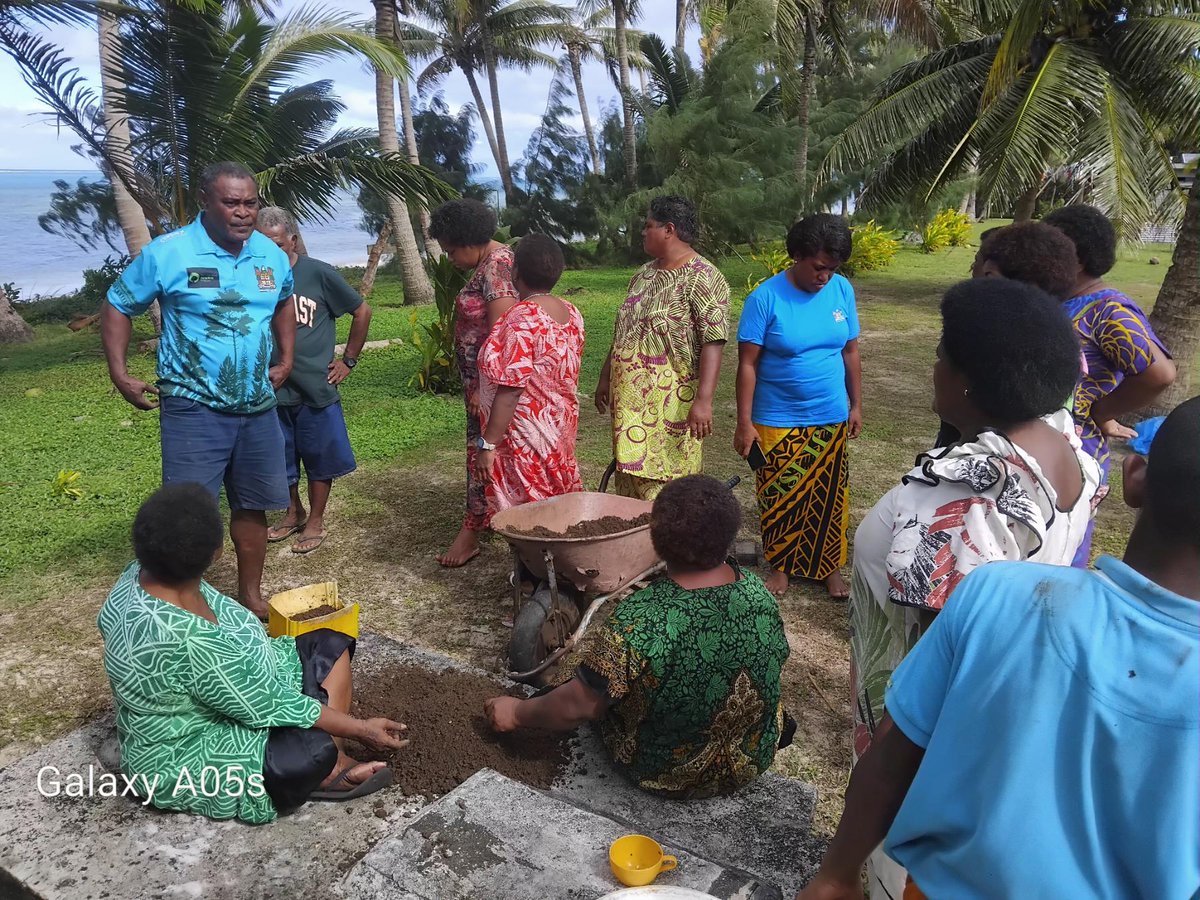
[350,361]
[482,443]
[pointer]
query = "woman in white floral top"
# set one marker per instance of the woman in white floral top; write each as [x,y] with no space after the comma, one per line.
[1017,487]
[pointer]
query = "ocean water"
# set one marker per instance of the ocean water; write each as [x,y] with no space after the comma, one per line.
[38,262]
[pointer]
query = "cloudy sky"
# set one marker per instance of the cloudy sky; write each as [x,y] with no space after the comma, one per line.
[31,142]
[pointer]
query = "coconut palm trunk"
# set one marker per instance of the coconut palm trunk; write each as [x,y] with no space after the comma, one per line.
[417,288]
[629,137]
[481,108]
[1176,315]
[373,256]
[1026,204]
[680,25]
[130,215]
[804,104]
[410,143]
[506,179]
[576,56]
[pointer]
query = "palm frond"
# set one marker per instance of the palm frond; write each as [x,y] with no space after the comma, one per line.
[1012,56]
[669,80]
[1027,124]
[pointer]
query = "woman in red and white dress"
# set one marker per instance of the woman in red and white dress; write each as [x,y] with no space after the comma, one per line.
[529,382]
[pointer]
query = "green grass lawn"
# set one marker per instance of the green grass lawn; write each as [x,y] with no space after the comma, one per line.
[58,555]
[59,412]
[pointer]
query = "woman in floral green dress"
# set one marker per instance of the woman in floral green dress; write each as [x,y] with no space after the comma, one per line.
[214,717]
[684,676]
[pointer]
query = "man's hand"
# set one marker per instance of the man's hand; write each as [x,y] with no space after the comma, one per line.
[501,713]
[822,887]
[854,424]
[700,419]
[135,390]
[604,392]
[1111,428]
[338,371]
[278,375]
[484,461]
[744,438]
[382,734]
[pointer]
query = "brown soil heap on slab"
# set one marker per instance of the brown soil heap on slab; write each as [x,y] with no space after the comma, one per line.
[601,527]
[449,739]
[315,613]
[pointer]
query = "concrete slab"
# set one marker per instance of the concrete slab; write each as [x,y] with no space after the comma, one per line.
[766,828]
[493,837]
[93,848]
[86,848]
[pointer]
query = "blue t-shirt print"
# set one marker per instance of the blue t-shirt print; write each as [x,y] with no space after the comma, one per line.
[801,374]
[216,342]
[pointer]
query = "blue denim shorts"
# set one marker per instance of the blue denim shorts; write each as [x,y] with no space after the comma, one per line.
[318,438]
[243,452]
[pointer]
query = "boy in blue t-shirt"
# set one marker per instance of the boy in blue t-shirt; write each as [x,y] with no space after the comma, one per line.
[1043,738]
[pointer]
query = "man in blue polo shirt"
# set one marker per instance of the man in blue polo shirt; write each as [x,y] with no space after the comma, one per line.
[223,289]
[1042,740]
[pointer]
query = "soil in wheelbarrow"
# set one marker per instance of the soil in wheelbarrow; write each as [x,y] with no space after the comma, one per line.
[601,527]
[449,739]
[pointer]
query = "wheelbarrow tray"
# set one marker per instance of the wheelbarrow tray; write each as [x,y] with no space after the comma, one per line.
[600,564]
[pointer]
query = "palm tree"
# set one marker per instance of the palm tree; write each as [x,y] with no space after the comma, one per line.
[624,11]
[591,38]
[477,36]
[1049,84]
[1176,315]
[205,86]
[417,288]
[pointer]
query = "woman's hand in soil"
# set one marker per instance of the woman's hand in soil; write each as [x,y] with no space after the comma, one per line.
[501,713]
[823,887]
[1113,429]
[382,734]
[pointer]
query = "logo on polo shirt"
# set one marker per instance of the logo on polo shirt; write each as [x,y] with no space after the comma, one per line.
[203,278]
[839,315]
[266,278]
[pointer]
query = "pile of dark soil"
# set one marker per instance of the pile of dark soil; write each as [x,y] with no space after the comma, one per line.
[449,738]
[315,613]
[605,525]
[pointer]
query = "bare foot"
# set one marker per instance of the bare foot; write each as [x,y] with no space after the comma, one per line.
[257,607]
[777,582]
[837,587]
[464,549]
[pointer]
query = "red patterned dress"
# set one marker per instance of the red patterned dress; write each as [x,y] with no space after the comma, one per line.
[491,281]
[528,349]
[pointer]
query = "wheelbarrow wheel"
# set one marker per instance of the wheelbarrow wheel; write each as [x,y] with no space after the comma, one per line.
[534,629]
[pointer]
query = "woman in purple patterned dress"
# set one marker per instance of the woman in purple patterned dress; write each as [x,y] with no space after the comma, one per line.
[465,229]
[1127,365]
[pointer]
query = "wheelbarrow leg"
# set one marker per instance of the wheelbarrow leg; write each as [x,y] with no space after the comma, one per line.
[552,580]
[608,473]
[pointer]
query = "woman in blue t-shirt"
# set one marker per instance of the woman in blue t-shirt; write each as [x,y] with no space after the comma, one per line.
[799,397]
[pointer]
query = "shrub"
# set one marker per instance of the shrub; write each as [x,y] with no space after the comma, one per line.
[437,372]
[773,258]
[949,228]
[874,248]
[84,302]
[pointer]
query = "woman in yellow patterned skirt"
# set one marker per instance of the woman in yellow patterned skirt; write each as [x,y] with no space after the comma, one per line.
[799,397]
[661,373]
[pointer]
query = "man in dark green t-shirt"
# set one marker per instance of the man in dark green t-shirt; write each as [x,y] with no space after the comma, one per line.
[310,410]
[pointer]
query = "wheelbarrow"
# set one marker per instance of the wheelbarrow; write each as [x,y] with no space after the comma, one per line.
[575,576]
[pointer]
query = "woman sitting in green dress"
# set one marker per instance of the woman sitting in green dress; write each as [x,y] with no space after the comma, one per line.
[684,676]
[214,717]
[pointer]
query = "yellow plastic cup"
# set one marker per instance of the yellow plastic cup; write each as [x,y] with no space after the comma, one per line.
[637,860]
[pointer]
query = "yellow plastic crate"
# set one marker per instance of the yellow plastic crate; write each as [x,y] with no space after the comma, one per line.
[282,608]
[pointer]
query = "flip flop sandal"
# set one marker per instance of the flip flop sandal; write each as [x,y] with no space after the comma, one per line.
[291,529]
[376,782]
[306,545]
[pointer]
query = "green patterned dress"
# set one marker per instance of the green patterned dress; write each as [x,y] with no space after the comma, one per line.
[694,683]
[191,695]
